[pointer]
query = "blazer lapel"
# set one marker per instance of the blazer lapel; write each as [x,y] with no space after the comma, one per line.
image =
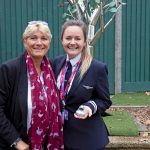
[76,82]
[23,90]
[59,66]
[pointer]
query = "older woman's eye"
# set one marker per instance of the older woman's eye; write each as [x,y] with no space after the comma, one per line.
[33,37]
[44,38]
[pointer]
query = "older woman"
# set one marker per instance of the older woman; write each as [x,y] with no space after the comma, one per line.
[29,105]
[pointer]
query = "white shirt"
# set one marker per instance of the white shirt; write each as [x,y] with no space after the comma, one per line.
[73,62]
[30,100]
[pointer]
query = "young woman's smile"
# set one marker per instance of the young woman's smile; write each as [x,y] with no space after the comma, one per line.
[73,41]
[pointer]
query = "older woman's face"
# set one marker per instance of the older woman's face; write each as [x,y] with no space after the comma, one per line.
[37,45]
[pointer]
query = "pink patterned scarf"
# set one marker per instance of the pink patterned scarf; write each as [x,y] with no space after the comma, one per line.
[46,130]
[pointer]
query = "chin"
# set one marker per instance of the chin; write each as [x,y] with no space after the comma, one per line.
[38,56]
[72,56]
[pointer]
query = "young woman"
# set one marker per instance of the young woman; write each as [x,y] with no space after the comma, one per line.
[29,104]
[85,94]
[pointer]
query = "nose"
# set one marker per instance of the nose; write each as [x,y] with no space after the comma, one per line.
[39,41]
[72,41]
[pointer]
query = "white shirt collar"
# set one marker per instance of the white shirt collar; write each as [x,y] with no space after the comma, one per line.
[74,60]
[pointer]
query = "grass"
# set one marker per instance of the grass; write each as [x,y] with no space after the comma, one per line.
[131,99]
[121,124]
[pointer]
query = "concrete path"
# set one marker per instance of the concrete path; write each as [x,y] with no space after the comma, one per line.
[126,143]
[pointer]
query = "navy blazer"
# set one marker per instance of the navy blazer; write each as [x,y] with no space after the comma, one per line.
[13,102]
[91,133]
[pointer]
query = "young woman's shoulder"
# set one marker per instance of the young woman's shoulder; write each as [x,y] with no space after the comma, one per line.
[98,63]
[59,57]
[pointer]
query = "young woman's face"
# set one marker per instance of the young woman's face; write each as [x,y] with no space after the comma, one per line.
[73,41]
[37,45]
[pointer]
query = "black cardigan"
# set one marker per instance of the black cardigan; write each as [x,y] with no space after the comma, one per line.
[13,102]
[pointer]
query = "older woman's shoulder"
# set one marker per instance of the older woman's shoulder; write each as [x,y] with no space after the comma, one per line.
[13,63]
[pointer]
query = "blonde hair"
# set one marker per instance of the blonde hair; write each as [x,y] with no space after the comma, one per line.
[86,57]
[86,61]
[34,25]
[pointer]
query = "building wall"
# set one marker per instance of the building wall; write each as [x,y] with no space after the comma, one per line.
[15,14]
[136,46]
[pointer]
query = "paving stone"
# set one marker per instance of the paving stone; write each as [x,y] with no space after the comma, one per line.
[125,143]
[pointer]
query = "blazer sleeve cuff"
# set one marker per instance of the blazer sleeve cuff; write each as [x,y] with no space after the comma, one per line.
[92,106]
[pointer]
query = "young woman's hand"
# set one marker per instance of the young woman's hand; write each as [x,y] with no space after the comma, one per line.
[83,112]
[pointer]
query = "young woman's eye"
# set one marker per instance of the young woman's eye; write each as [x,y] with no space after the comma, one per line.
[68,38]
[78,39]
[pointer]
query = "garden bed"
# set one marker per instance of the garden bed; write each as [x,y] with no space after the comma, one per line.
[141,114]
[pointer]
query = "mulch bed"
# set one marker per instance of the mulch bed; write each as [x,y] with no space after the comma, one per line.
[141,114]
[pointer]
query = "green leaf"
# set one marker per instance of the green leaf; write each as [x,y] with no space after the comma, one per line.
[64,15]
[82,0]
[113,10]
[112,4]
[74,10]
[97,1]
[69,8]
[67,19]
